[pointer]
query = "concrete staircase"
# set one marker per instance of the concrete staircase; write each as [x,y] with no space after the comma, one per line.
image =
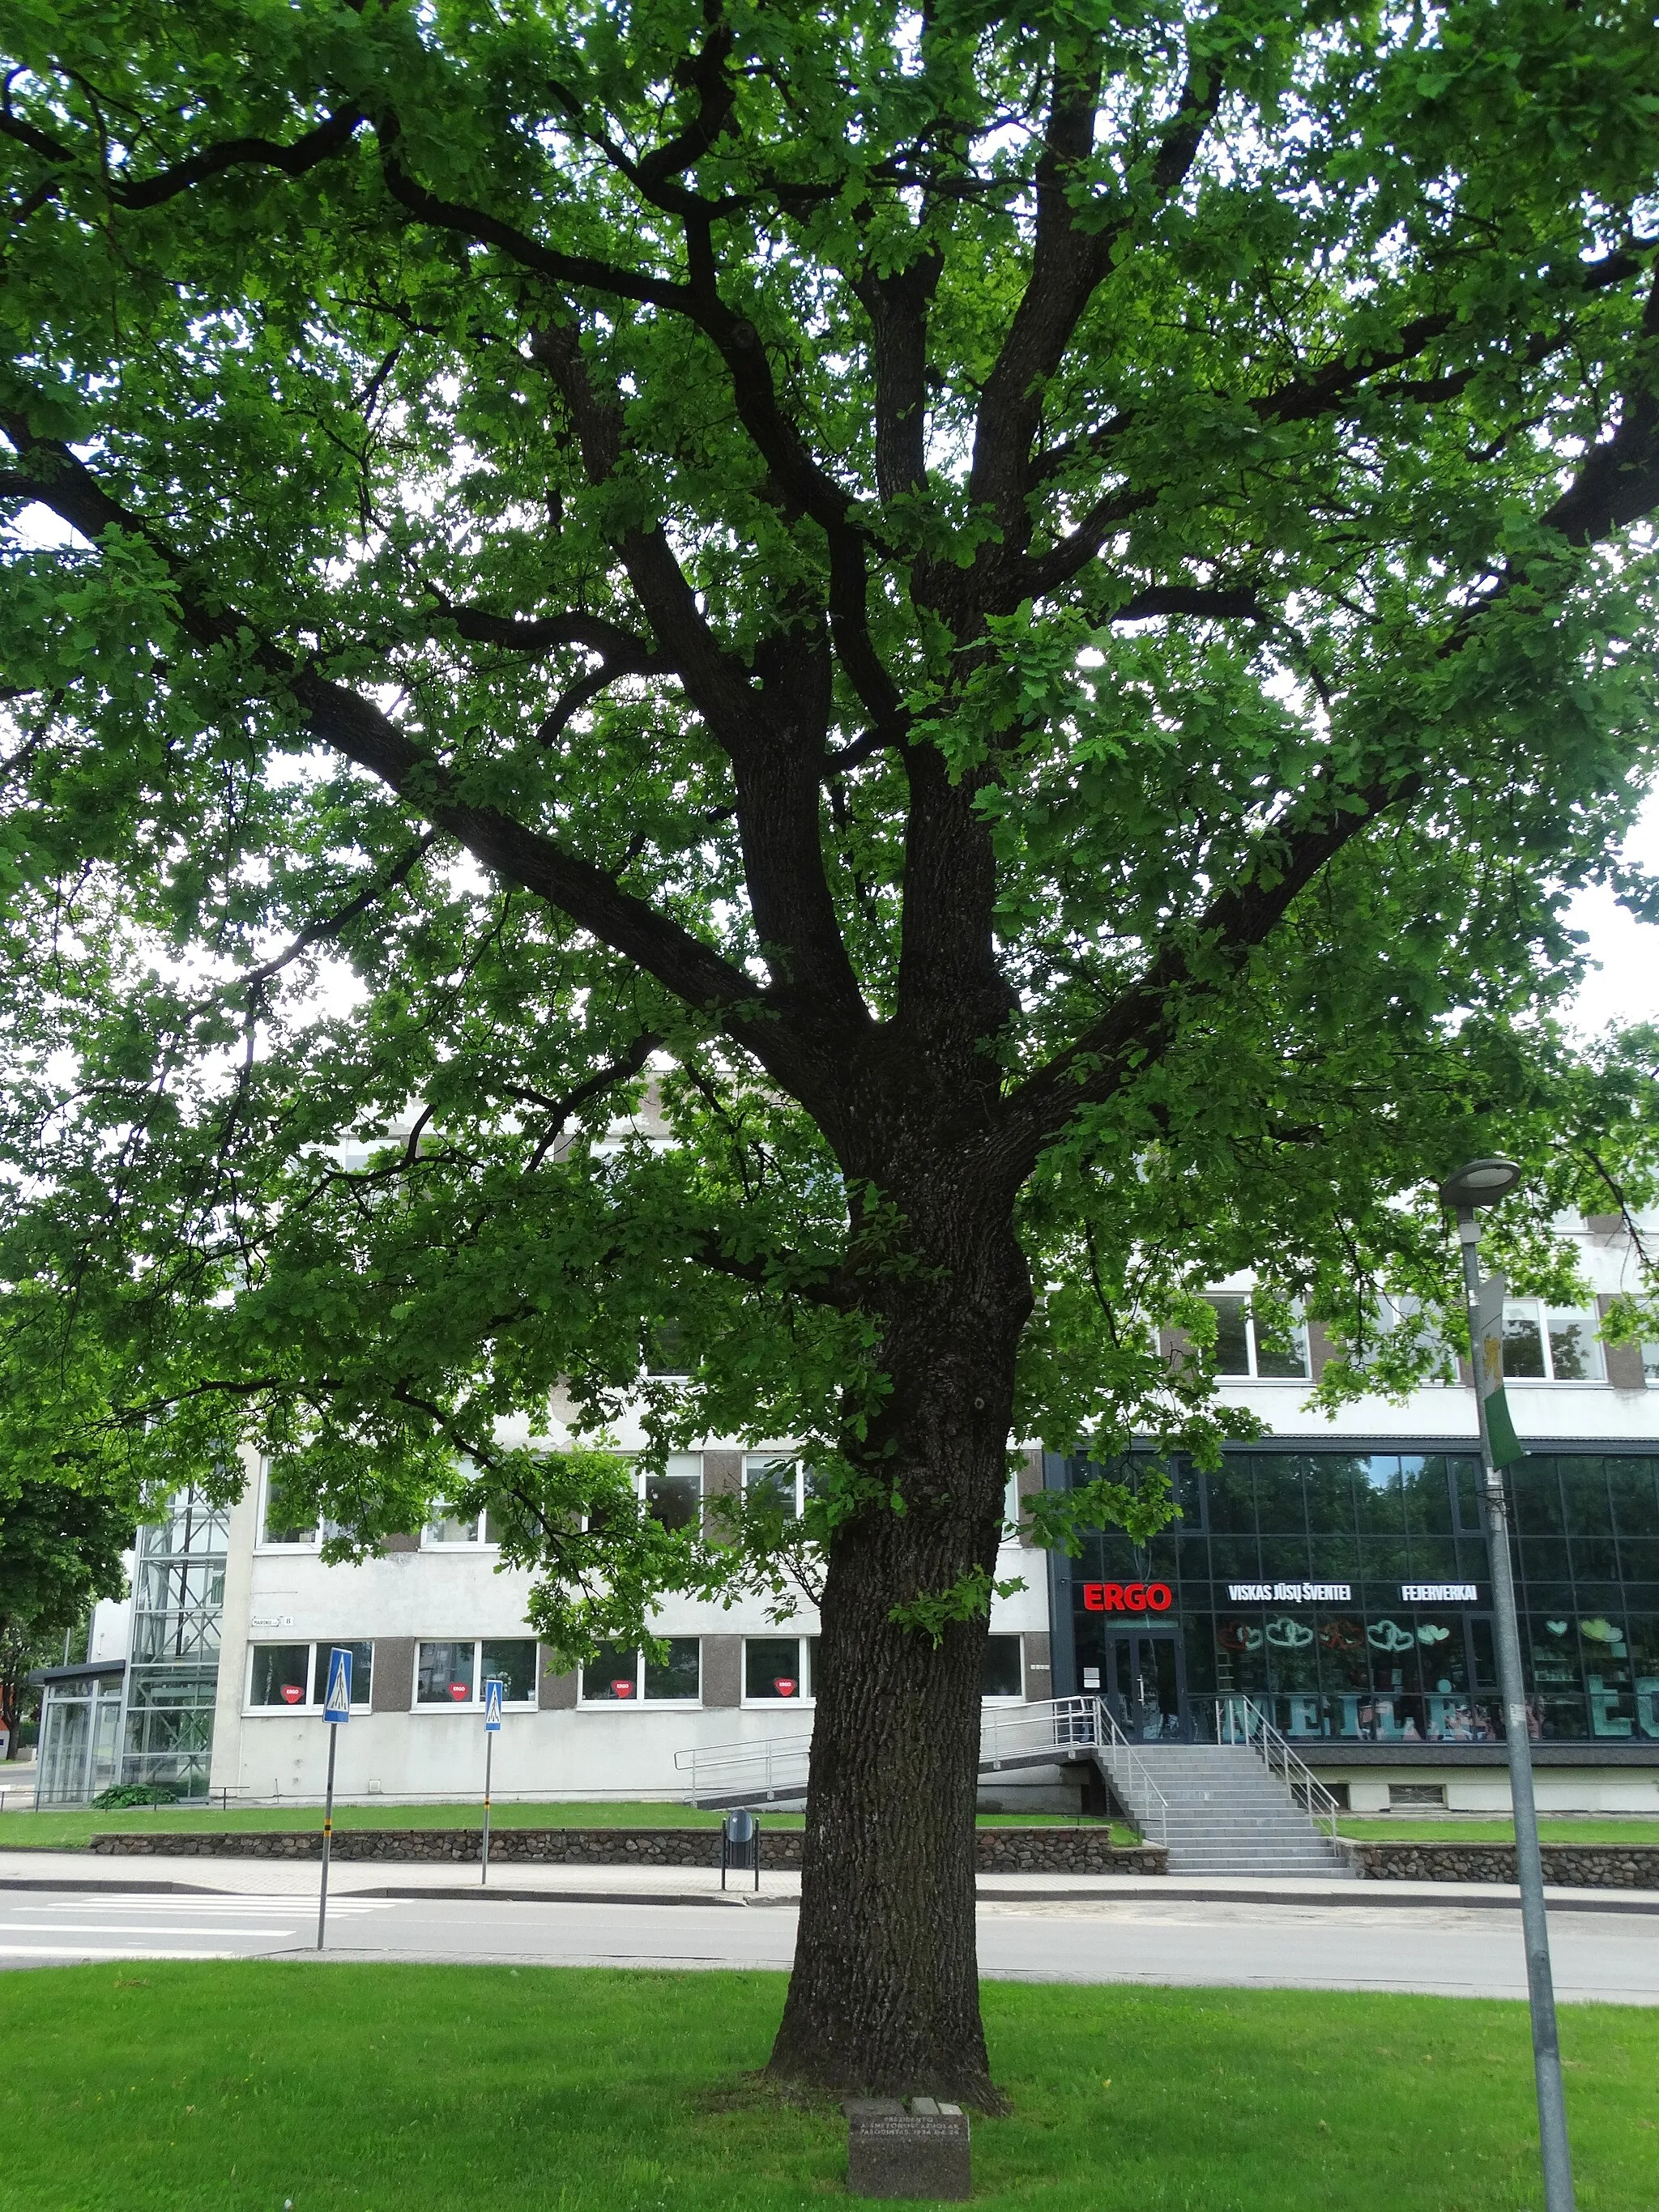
[1224,1814]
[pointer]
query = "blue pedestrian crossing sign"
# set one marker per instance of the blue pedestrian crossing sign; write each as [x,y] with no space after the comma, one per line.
[337,1706]
[495,1690]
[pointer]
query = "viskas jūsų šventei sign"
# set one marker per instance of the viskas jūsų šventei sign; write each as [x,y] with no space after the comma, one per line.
[1342,1594]
[1290,1593]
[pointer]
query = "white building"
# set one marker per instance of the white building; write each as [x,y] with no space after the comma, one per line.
[1335,1573]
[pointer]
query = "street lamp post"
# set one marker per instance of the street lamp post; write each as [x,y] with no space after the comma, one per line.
[1480,1183]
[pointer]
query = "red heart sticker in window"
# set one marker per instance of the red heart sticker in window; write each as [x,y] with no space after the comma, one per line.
[784,1685]
[292,1693]
[460,1692]
[621,1688]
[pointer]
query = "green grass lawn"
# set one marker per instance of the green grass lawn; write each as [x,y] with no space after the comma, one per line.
[61,1831]
[1392,1830]
[239,2087]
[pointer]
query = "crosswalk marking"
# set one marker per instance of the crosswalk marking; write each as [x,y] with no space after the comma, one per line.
[93,1952]
[126,1928]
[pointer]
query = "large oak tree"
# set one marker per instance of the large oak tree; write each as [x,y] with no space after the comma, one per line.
[1039,612]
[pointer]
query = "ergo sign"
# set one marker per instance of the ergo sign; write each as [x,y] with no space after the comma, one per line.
[1127,1597]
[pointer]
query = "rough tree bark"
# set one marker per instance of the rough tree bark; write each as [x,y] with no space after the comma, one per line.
[884,1996]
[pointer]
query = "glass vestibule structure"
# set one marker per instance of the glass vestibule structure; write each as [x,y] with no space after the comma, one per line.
[1347,1594]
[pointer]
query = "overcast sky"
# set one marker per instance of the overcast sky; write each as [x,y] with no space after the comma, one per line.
[1625,987]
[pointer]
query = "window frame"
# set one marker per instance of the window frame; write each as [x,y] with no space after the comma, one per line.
[678,1466]
[293,1546]
[1541,1313]
[768,1460]
[481,1543]
[1299,1335]
[640,1701]
[417,1704]
[805,1674]
[1002,1698]
[310,1705]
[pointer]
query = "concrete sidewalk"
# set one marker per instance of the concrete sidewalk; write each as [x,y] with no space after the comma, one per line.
[260,1877]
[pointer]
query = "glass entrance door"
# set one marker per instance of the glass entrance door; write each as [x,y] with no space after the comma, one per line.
[1146,1684]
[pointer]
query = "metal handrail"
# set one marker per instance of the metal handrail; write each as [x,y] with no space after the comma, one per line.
[1114,1747]
[1297,1777]
[775,1766]
[767,1767]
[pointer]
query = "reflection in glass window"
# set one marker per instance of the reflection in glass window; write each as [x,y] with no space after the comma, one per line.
[785,1484]
[362,1661]
[677,1675]
[1540,1346]
[283,1523]
[772,1668]
[1001,1675]
[446,1673]
[280,1674]
[675,1497]
[451,1528]
[1243,1350]
[1231,1354]
[619,1675]
[296,1675]
[511,1659]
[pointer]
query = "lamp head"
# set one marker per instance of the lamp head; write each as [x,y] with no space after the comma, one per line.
[1481,1183]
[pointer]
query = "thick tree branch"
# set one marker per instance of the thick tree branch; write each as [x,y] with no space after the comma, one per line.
[294,157]
[1306,397]
[354,725]
[1617,484]
[1070,258]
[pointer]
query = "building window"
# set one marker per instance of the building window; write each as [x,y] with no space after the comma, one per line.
[1002,1675]
[778,1669]
[1240,1353]
[450,1532]
[283,1527]
[783,1481]
[675,1497]
[619,1675]
[294,1676]
[455,1673]
[1541,1346]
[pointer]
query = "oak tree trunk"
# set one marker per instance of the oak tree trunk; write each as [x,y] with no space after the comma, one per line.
[884,1995]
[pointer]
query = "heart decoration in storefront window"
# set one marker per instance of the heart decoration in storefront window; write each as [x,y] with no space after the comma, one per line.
[1390,1636]
[622,1687]
[1430,1633]
[1601,1632]
[1556,1627]
[292,1693]
[460,1692]
[784,1685]
[1341,1635]
[1289,1635]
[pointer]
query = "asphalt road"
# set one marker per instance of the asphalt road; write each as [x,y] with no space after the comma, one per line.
[1599,1957]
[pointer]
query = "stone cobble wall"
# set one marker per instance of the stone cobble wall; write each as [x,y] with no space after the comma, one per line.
[1570,1866]
[1000,1850]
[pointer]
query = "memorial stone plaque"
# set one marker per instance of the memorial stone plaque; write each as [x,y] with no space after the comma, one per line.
[920,2152]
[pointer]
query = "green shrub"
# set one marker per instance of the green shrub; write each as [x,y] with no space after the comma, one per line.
[133,1793]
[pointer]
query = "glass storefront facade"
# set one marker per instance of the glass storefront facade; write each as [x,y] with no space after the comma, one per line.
[1348,1594]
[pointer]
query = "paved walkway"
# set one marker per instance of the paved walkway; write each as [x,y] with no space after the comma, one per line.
[59,1907]
[692,1885]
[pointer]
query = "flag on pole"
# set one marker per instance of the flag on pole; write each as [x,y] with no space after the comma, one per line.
[1506,1446]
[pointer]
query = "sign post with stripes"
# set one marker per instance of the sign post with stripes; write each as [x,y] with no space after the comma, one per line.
[336,1711]
[495,1690]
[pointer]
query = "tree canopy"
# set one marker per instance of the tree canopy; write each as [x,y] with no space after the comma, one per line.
[1039,611]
